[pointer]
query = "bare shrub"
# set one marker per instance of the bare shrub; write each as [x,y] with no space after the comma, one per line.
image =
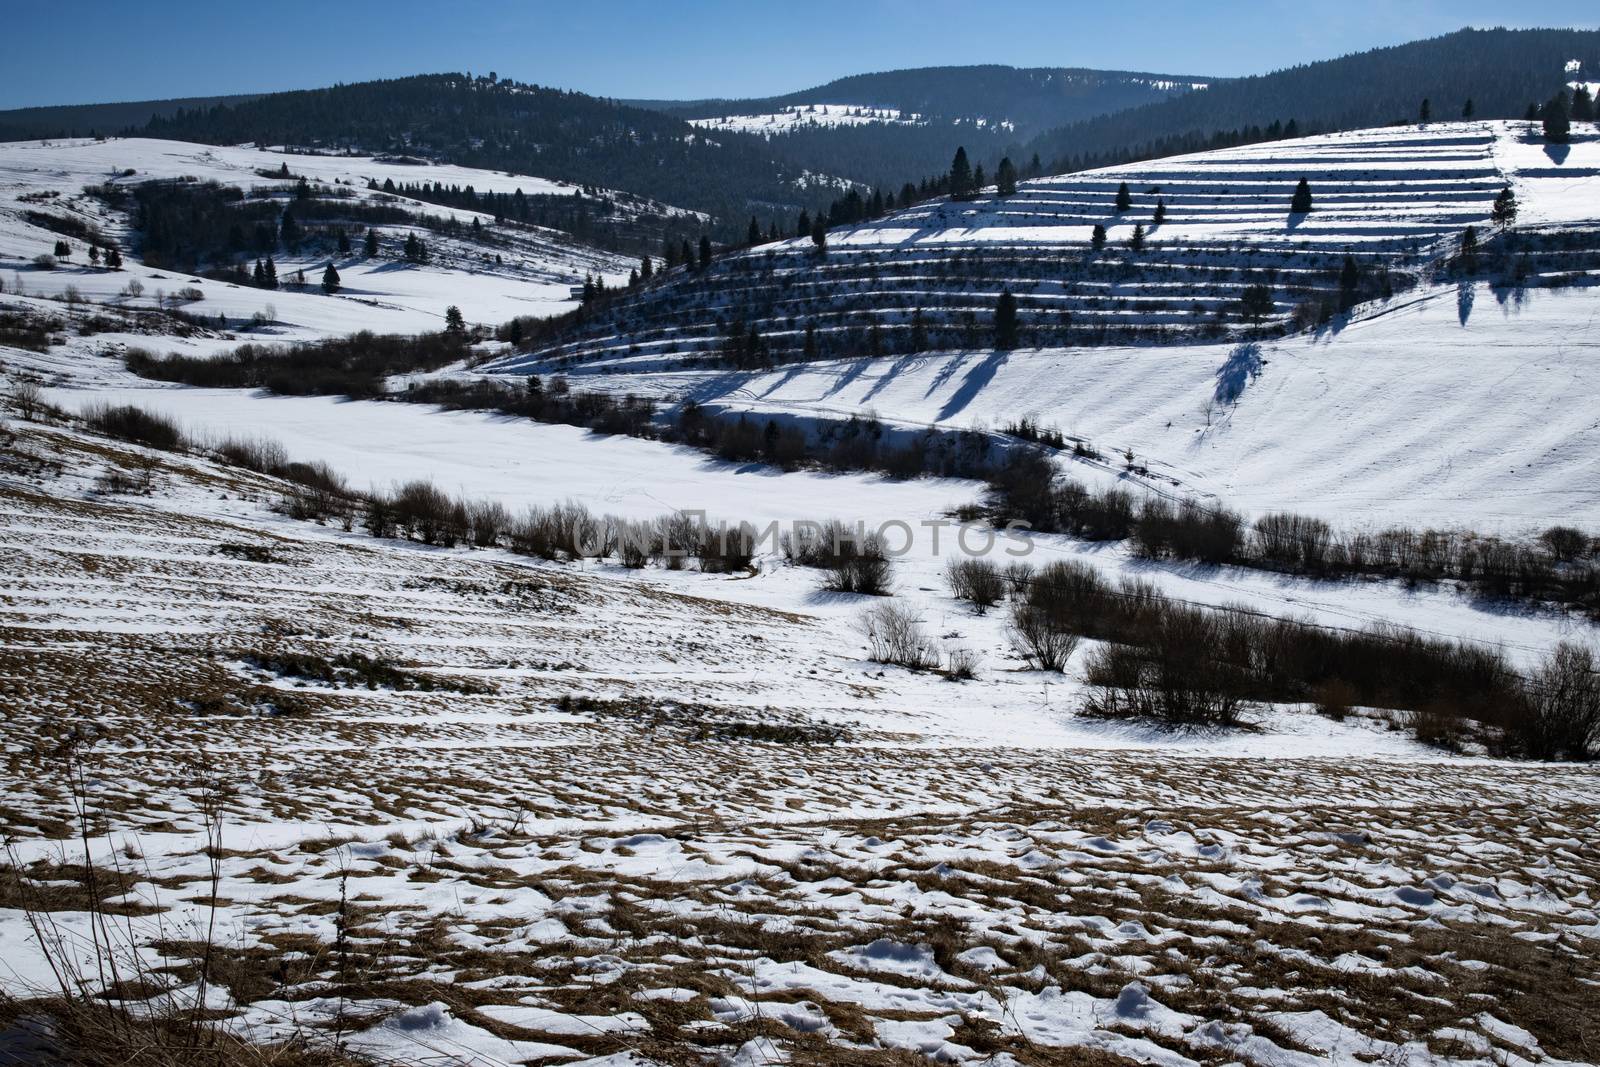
[28,399]
[725,549]
[895,636]
[1293,542]
[1018,576]
[1560,716]
[852,556]
[1333,698]
[960,664]
[488,520]
[427,513]
[259,454]
[1565,543]
[45,261]
[633,542]
[565,531]
[1176,677]
[135,424]
[1042,641]
[976,580]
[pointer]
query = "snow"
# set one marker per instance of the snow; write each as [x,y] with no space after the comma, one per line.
[384,295]
[1451,406]
[804,115]
[585,868]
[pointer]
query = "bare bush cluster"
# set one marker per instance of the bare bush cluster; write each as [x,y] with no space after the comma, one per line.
[852,556]
[1562,565]
[979,581]
[895,636]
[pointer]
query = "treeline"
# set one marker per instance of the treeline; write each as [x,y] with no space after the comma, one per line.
[504,125]
[1563,566]
[1499,71]
[618,222]
[191,226]
[1186,664]
[354,366]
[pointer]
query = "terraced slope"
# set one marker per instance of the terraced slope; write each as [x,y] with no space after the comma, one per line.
[1396,200]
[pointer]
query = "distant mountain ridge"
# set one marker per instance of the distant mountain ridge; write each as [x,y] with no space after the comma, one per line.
[1501,71]
[85,120]
[1033,99]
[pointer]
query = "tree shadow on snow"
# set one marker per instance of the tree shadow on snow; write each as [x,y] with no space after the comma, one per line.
[1242,367]
[973,384]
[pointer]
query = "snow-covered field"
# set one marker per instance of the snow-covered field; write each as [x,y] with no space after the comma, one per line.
[611,827]
[626,817]
[384,294]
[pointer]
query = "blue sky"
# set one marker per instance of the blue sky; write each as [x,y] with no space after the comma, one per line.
[93,51]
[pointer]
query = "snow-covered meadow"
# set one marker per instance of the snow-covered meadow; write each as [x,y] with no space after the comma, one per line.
[473,808]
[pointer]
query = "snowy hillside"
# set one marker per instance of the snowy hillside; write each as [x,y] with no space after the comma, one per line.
[1455,404]
[535,274]
[1395,201]
[314,725]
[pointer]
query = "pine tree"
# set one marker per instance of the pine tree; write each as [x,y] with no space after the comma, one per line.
[753,235]
[1160,213]
[977,178]
[819,234]
[453,322]
[705,251]
[686,254]
[919,331]
[302,190]
[1469,250]
[1255,302]
[113,257]
[1300,203]
[371,246]
[1557,125]
[269,273]
[1582,105]
[1136,242]
[1005,320]
[1504,212]
[1097,237]
[1425,112]
[1124,198]
[289,230]
[960,174]
[633,277]
[803,227]
[94,254]
[330,280]
[645,269]
[1467,109]
[344,242]
[1006,178]
[1349,282]
[258,277]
